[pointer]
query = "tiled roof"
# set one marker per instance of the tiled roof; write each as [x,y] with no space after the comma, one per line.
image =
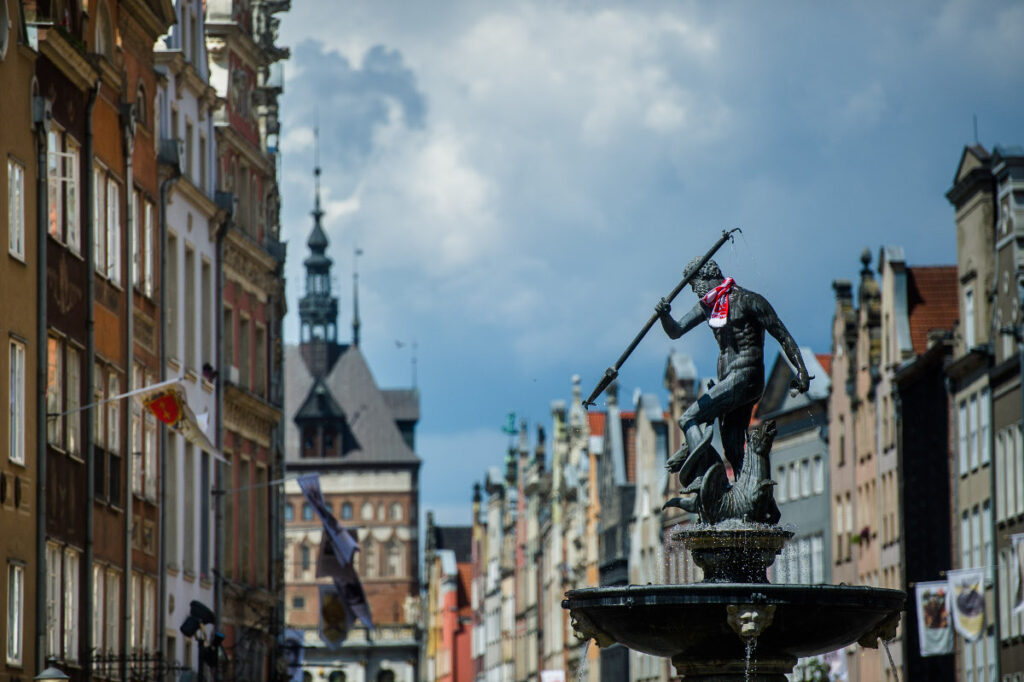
[352,386]
[931,302]
[825,360]
[596,420]
[404,403]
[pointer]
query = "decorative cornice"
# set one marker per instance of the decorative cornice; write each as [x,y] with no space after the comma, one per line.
[67,58]
[186,76]
[109,73]
[252,417]
[233,139]
[154,17]
[245,258]
[196,196]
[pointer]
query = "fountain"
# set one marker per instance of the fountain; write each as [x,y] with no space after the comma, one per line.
[735,625]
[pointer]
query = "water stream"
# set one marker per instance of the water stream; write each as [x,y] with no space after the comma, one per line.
[581,672]
[751,645]
[892,664]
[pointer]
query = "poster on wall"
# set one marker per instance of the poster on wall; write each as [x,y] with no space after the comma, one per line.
[967,601]
[934,629]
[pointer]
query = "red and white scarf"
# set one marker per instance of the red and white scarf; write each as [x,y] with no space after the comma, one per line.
[718,300]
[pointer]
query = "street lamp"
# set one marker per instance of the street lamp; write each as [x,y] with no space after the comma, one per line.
[52,672]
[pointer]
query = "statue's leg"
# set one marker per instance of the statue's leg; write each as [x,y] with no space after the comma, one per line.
[697,455]
[734,431]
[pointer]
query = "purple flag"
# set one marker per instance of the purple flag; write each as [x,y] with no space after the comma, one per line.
[346,582]
[344,544]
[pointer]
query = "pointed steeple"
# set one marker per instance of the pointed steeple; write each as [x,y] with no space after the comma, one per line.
[318,309]
[355,296]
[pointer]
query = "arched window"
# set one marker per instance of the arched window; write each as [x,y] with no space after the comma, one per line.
[372,558]
[346,511]
[104,32]
[305,558]
[367,511]
[381,513]
[289,512]
[336,676]
[307,512]
[396,512]
[386,676]
[395,559]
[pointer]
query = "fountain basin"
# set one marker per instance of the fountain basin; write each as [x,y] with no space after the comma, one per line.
[690,623]
[734,552]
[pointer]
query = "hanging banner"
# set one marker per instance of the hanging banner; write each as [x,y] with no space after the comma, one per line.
[934,630]
[334,619]
[1017,564]
[967,601]
[347,582]
[168,403]
[344,544]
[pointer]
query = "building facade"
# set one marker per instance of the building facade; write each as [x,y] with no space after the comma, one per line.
[23,214]
[985,382]
[192,226]
[242,54]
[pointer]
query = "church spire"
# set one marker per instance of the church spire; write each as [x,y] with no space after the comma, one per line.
[355,295]
[318,309]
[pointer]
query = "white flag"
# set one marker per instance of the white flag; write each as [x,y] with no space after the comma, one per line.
[967,601]
[934,630]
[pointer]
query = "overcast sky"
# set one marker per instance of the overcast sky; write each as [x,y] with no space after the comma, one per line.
[526,179]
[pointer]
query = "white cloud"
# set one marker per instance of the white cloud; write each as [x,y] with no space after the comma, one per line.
[297,139]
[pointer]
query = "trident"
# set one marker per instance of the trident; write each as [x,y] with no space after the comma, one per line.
[612,372]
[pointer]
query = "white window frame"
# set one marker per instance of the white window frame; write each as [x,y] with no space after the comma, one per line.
[72,562]
[15,612]
[148,608]
[98,605]
[984,426]
[113,616]
[99,219]
[149,272]
[113,231]
[16,413]
[16,209]
[53,598]
[962,437]
[969,339]
[135,614]
[72,396]
[819,475]
[972,432]
[55,391]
